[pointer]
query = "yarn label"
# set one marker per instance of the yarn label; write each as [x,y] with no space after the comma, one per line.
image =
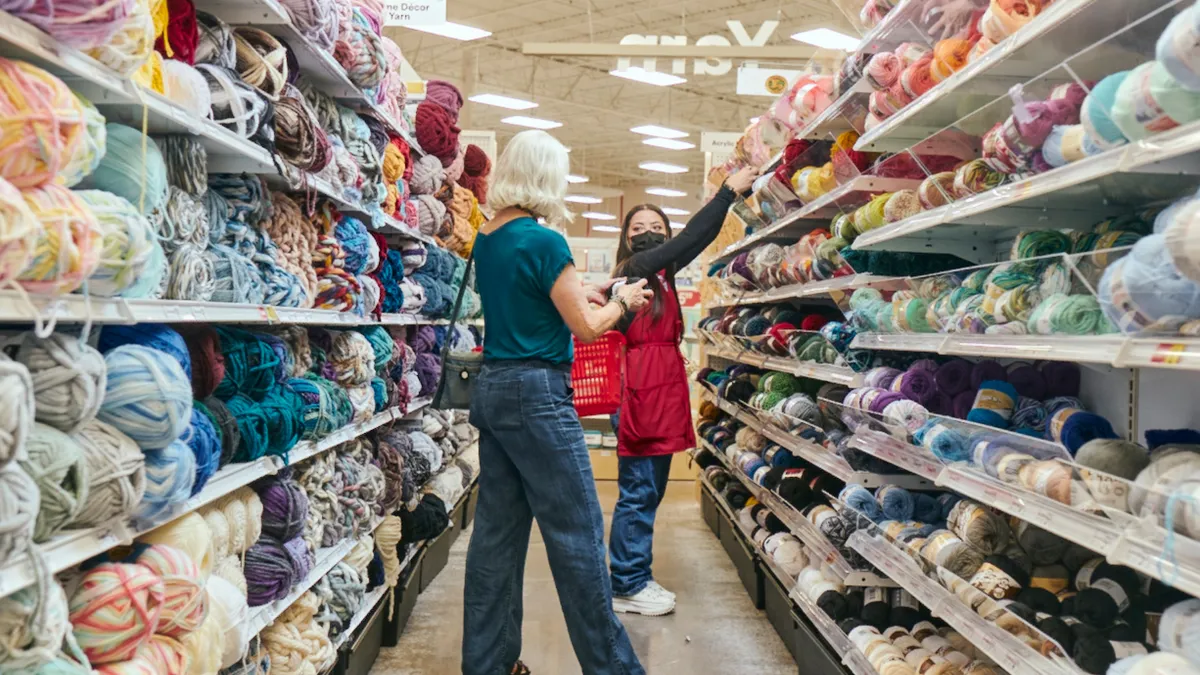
[874,594]
[1114,591]
[1083,578]
[995,582]
[902,598]
[1123,649]
[421,13]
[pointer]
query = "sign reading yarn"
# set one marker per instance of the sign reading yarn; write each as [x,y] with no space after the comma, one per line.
[709,66]
[419,13]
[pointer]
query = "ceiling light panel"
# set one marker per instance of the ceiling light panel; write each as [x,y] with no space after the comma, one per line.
[661,132]
[582,199]
[648,76]
[677,226]
[531,122]
[662,167]
[665,192]
[455,31]
[572,178]
[596,215]
[827,39]
[605,228]
[669,143]
[672,211]
[503,101]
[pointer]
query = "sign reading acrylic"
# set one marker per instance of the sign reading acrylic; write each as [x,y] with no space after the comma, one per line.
[414,12]
[719,143]
[710,66]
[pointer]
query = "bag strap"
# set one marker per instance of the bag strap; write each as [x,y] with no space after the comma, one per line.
[462,289]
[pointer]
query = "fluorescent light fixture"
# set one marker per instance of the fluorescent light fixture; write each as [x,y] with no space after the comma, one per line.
[606,228]
[669,143]
[753,120]
[503,101]
[572,178]
[663,167]
[827,39]
[672,211]
[456,31]
[582,199]
[661,132]
[596,215]
[677,226]
[655,78]
[531,122]
[665,192]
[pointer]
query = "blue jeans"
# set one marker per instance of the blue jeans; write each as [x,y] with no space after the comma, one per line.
[534,463]
[643,482]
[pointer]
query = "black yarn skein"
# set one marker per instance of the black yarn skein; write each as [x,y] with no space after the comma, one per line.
[876,610]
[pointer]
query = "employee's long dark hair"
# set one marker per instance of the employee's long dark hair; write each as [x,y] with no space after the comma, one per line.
[624,253]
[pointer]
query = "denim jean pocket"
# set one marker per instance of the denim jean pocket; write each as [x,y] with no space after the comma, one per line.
[496,404]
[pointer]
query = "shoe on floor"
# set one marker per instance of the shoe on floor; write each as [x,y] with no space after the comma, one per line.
[653,600]
[658,586]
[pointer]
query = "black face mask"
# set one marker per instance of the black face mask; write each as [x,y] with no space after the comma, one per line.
[646,241]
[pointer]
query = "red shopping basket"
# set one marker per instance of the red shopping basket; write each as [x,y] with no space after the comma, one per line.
[596,374]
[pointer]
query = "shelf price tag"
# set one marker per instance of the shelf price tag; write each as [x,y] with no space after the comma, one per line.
[1169,353]
[268,313]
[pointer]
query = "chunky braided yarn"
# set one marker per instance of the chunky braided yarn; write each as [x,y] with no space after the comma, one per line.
[114,610]
[296,238]
[353,359]
[359,50]
[115,471]
[296,643]
[261,60]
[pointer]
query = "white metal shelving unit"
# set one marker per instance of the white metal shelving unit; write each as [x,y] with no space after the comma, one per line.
[819,371]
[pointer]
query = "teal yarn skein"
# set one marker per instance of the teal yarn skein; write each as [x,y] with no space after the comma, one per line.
[1150,101]
[1097,112]
[170,474]
[132,168]
[250,364]
[147,396]
[253,426]
[381,397]
[382,344]
[994,404]
[127,242]
[282,409]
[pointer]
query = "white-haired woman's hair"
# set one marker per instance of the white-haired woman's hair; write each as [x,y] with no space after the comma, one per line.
[531,174]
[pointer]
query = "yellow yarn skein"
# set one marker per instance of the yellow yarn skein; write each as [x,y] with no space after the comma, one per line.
[19,230]
[67,249]
[129,48]
[41,124]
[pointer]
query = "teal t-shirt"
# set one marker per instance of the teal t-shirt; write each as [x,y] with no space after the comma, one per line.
[515,267]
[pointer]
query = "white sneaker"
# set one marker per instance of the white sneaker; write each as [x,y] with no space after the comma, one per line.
[660,588]
[653,600]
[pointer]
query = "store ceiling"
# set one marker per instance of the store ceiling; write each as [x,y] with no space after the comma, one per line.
[597,109]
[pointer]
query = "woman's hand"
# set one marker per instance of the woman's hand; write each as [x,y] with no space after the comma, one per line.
[635,295]
[597,294]
[741,181]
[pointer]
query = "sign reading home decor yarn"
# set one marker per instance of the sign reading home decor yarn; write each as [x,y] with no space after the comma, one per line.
[418,13]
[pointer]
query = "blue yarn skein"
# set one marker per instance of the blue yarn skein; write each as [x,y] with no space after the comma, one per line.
[153,335]
[946,501]
[1145,287]
[380,390]
[170,474]
[1096,114]
[147,396]
[1180,35]
[355,240]
[203,440]
[253,426]
[1150,100]
[945,443]
[896,502]
[860,499]
[926,509]
[391,272]
[1079,427]
[994,404]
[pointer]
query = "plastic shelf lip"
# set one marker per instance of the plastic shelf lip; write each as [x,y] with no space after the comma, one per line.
[903,455]
[326,559]
[368,603]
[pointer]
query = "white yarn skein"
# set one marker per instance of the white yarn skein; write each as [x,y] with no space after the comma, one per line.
[116,474]
[33,624]
[387,537]
[233,604]
[68,379]
[19,499]
[185,85]
[254,513]
[234,509]
[16,409]
[191,275]
[218,529]
[230,569]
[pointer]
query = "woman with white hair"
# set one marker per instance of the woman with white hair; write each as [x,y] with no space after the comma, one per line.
[534,460]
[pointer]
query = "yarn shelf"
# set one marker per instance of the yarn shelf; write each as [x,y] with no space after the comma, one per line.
[326,558]
[1064,29]
[1009,652]
[818,456]
[121,100]
[853,659]
[19,308]
[818,371]
[1162,165]
[73,547]
[854,192]
[369,601]
[799,291]
[805,531]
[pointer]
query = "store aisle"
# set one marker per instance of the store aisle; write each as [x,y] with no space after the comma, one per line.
[715,628]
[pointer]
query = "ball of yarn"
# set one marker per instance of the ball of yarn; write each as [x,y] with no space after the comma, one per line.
[67,246]
[33,627]
[1097,114]
[285,506]
[184,603]
[1150,100]
[68,378]
[116,474]
[1143,287]
[204,441]
[148,397]
[170,475]
[43,124]
[114,610]
[126,242]
[132,168]
[57,464]
[234,610]
[18,511]
[1073,428]
[994,404]
[270,573]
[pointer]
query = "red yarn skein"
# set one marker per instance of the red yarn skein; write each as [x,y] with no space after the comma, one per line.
[813,322]
[436,132]
[208,363]
[476,168]
[182,35]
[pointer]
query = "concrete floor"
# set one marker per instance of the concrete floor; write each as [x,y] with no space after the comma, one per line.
[715,627]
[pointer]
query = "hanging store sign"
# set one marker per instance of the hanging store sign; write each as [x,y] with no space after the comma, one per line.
[719,144]
[414,13]
[710,66]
